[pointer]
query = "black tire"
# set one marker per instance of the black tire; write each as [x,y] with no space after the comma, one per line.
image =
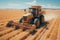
[41,18]
[37,22]
[10,24]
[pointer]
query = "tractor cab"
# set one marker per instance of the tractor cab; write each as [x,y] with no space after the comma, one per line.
[35,10]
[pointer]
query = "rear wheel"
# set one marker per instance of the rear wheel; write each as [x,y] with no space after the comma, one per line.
[42,22]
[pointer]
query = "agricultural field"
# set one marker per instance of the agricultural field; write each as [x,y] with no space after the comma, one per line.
[52,33]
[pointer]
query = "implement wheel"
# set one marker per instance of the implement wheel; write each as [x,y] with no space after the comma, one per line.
[10,24]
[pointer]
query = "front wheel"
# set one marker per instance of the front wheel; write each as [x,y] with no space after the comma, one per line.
[37,22]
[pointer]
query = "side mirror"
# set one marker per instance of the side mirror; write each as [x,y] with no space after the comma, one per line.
[25,11]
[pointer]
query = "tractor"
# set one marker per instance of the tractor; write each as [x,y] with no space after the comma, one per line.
[31,21]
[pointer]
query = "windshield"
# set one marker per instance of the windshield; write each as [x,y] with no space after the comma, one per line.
[32,10]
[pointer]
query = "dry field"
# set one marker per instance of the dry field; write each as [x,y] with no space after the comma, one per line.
[52,33]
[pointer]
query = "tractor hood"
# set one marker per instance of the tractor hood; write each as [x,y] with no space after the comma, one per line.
[27,14]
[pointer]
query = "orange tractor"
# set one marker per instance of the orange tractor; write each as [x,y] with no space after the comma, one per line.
[31,21]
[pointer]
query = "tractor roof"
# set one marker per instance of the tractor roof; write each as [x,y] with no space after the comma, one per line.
[37,7]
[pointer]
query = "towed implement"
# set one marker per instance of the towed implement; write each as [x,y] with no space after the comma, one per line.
[30,21]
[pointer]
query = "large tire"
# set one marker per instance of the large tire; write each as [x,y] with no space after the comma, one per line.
[37,22]
[10,24]
[41,18]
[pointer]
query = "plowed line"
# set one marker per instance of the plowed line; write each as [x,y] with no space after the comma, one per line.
[53,34]
[47,32]
[6,31]
[9,35]
[42,33]
[58,35]
[20,36]
[32,37]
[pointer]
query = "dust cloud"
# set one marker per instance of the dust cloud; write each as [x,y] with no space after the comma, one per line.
[50,16]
